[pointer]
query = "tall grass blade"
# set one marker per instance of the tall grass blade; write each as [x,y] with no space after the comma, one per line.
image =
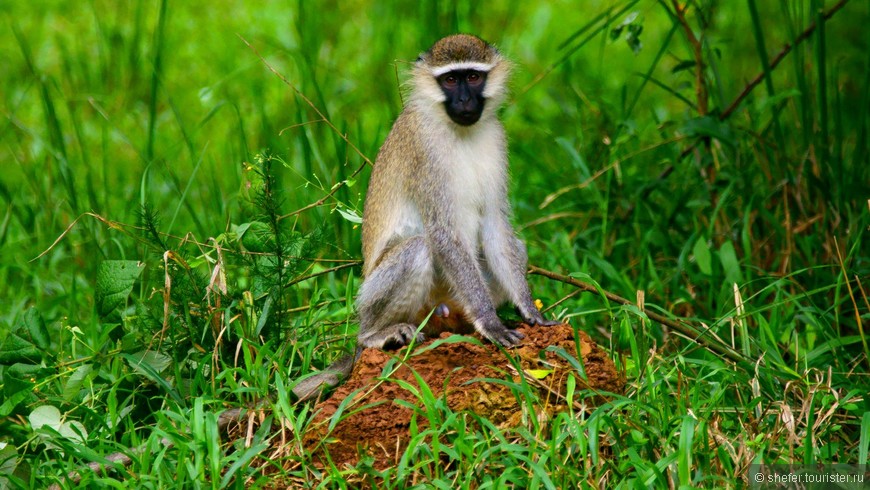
[156,75]
[864,439]
[822,150]
[765,66]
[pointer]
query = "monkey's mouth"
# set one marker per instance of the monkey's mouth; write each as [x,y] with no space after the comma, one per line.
[465,118]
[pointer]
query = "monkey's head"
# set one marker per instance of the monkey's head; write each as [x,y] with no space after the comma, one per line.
[463,73]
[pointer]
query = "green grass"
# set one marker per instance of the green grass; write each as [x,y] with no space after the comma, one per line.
[150,127]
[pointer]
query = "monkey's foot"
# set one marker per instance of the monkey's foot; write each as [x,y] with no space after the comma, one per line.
[497,333]
[531,316]
[544,323]
[393,337]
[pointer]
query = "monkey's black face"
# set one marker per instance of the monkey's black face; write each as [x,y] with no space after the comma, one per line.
[464,91]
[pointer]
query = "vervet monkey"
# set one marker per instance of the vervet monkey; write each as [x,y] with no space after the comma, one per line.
[436,230]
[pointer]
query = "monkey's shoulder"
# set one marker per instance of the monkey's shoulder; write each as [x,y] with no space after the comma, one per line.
[403,140]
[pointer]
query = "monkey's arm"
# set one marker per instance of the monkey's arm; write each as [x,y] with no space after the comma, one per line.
[463,274]
[456,260]
[507,260]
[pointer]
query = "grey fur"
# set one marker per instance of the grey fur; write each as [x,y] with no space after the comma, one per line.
[436,225]
[312,386]
[417,250]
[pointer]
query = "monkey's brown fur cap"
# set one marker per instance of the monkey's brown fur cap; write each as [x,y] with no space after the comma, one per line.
[458,48]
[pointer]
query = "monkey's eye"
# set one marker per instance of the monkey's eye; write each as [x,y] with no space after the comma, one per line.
[474,78]
[450,80]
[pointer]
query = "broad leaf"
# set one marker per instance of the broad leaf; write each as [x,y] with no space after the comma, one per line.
[115,279]
[703,257]
[34,326]
[17,349]
[44,415]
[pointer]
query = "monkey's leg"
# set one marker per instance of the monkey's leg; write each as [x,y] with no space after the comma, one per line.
[393,293]
[505,263]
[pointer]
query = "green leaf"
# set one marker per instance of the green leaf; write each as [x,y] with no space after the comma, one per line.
[772,101]
[27,341]
[48,416]
[864,440]
[709,126]
[74,383]
[703,257]
[570,388]
[350,215]
[155,360]
[540,373]
[728,257]
[8,461]
[684,454]
[264,315]
[115,279]
[242,462]
[577,364]
[142,364]
[74,431]
[256,236]
[44,415]
[13,400]
[34,325]
[453,339]
[587,278]
[17,349]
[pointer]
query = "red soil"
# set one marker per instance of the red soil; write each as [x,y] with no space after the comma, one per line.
[459,370]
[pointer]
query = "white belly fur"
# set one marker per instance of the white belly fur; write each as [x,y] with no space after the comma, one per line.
[475,170]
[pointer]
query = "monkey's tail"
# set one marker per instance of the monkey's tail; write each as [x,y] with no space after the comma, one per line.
[315,384]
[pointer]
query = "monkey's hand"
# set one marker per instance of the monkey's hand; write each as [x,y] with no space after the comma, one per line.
[531,316]
[493,329]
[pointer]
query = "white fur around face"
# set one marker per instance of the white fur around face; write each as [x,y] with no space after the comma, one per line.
[462,65]
[496,83]
[428,97]
[426,89]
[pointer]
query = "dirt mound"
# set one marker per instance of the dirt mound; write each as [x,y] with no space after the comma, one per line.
[459,369]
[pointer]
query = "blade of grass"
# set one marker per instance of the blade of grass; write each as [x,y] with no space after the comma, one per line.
[864,439]
[765,67]
[684,461]
[570,52]
[52,121]
[822,146]
[646,77]
[156,74]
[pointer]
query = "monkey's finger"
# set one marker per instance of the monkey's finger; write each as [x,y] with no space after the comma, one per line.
[548,323]
[506,337]
[535,318]
[402,334]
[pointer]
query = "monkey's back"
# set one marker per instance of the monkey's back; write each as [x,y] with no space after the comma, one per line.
[389,213]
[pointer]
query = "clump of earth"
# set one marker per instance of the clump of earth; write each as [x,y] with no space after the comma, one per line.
[456,370]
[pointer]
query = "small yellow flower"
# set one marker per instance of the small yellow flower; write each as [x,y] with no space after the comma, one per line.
[539,304]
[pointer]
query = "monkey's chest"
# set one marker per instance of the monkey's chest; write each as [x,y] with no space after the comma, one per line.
[477,174]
